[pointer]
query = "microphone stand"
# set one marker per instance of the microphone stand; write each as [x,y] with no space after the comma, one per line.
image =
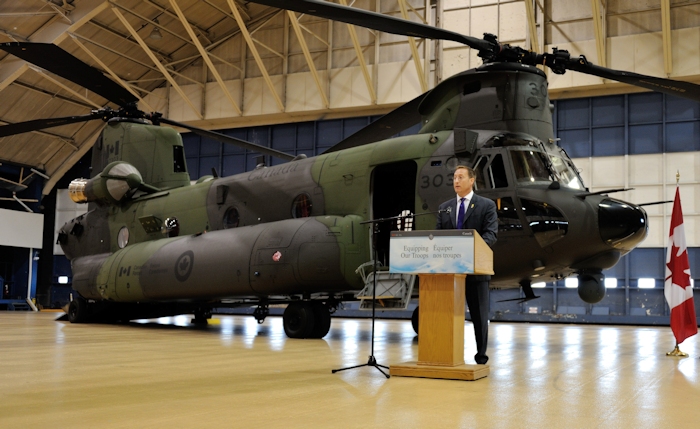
[372,361]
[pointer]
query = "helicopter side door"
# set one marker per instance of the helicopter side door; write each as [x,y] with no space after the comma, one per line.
[393,192]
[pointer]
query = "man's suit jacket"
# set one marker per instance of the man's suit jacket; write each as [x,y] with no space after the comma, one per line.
[481,215]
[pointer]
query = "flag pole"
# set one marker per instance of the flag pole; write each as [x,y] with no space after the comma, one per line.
[676,352]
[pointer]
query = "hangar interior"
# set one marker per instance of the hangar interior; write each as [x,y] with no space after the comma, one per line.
[300,84]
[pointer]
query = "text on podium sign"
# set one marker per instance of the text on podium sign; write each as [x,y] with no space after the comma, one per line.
[432,252]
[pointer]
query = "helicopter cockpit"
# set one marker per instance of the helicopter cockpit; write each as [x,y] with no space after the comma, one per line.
[532,162]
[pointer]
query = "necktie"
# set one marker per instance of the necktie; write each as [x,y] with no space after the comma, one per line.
[460,215]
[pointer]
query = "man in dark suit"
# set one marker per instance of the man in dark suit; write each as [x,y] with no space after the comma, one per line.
[470,211]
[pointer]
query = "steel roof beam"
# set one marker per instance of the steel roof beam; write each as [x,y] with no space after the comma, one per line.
[205,56]
[111,72]
[307,55]
[160,66]
[666,36]
[361,59]
[599,29]
[254,51]
[414,51]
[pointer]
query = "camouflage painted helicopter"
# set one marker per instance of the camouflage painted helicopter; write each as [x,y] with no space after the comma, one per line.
[154,244]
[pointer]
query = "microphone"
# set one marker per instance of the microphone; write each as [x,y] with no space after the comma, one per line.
[445,210]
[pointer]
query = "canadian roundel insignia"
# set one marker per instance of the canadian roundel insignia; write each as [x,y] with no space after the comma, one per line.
[277,256]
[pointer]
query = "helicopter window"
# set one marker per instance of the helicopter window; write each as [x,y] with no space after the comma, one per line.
[231,218]
[508,219]
[530,166]
[566,173]
[179,159]
[301,206]
[123,237]
[493,176]
[546,222]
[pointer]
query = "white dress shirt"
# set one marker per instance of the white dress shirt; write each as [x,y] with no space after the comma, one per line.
[467,200]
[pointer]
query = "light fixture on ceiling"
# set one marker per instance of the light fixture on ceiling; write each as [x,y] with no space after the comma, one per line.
[155,34]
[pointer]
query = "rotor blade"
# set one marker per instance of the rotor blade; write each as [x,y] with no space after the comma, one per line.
[40,124]
[54,59]
[228,139]
[376,21]
[559,61]
[388,125]
[667,86]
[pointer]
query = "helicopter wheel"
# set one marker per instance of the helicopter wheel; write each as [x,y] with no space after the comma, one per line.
[322,322]
[414,320]
[201,316]
[299,320]
[78,310]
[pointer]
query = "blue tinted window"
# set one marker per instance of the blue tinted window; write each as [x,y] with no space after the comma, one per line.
[576,143]
[681,109]
[206,163]
[191,143]
[573,113]
[259,135]
[608,111]
[647,263]
[305,135]
[646,138]
[239,133]
[647,107]
[608,141]
[328,133]
[284,137]
[353,125]
[683,137]
[233,164]
[209,147]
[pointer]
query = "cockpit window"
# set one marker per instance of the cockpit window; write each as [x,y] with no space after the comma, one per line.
[565,173]
[530,166]
[491,172]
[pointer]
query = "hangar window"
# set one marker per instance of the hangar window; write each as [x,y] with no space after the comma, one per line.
[301,206]
[231,218]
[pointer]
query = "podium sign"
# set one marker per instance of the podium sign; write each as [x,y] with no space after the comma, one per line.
[442,259]
[432,252]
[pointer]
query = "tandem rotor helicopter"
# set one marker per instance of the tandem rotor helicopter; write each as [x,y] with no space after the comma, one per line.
[153,244]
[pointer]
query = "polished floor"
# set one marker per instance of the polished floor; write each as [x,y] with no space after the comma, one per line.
[237,374]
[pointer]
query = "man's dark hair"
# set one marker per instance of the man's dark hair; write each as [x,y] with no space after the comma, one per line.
[470,171]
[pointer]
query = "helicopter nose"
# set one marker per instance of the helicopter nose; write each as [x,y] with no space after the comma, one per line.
[622,225]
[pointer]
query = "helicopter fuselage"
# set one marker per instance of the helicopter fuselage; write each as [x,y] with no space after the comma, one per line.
[296,228]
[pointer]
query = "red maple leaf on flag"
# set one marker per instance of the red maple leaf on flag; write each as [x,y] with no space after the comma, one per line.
[678,267]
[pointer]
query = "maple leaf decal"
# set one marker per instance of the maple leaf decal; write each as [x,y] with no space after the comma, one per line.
[678,265]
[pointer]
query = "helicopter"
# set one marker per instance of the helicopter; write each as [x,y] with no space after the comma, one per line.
[154,244]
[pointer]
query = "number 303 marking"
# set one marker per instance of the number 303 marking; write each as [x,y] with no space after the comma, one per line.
[436,181]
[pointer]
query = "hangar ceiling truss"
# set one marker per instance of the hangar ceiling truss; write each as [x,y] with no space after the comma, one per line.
[232,63]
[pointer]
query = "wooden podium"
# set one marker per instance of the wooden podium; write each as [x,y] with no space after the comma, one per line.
[444,258]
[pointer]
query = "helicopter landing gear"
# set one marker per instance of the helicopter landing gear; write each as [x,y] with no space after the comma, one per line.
[298,319]
[414,320]
[307,319]
[78,311]
[201,315]
[322,324]
[261,312]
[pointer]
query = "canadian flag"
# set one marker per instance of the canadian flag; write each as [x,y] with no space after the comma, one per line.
[677,289]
